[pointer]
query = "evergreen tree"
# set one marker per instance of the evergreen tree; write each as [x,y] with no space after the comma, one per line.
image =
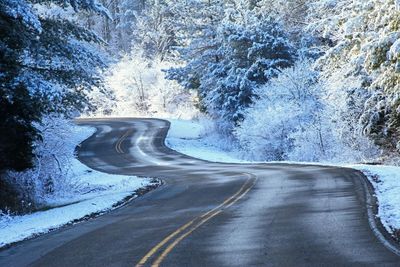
[233,51]
[18,108]
[46,65]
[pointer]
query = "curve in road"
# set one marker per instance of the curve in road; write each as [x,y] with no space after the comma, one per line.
[214,214]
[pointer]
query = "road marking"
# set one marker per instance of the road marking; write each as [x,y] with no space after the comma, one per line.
[227,200]
[179,239]
[118,144]
[162,243]
[194,224]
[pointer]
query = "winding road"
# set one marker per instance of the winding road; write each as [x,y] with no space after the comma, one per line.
[214,214]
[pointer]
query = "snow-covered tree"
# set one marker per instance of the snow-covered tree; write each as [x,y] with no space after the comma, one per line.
[47,64]
[288,104]
[127,19]
[139,88]
[228,58]
[52,164]
[154,29]
[19,25]
[362,42]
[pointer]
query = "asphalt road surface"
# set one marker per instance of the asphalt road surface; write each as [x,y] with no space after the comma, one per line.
[214,214]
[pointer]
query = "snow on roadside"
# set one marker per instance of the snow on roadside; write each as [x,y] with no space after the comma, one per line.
[191,138]
[96,193]
[386,182]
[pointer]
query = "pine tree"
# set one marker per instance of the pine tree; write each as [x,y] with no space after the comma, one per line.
[18,108]
[46,65]
[233,50]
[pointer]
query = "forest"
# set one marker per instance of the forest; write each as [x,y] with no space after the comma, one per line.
[280,80]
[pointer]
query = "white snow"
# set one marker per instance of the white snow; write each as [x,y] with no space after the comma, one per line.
[394,50]
[193,139]
[95,193]
[386,182]
[197,139]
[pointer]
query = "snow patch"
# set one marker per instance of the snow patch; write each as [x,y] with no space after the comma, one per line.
[197,139]
[386,182]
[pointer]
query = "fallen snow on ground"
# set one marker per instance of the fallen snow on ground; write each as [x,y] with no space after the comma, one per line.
[194,139]
[95,193]
[386,182]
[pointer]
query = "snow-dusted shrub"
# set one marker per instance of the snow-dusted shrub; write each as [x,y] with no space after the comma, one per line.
[140,89]
[299,117]
[49,177]
[5,216]
[288,104]
[315,142]
[346,102]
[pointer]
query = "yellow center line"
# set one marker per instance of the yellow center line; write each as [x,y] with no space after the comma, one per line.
[227,200]
[122,139]
[117,145]
[242,195]
[162,243]
[202,219]
[119,142]
[179,239]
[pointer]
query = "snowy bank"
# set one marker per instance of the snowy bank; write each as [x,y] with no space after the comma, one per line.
[94,193]
[386,183]
[197,139]
[194,139]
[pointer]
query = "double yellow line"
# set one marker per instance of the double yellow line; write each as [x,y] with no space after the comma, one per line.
[185,230]
[118,144]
